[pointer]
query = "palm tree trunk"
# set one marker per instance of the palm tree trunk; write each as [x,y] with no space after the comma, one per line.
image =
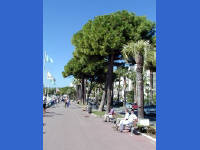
[151,86]
[140,86]
[135,94]
[109,79]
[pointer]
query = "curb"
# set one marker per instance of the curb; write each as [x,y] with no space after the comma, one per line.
[149,137]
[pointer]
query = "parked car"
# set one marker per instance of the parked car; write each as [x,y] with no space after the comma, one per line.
[135,106]
[150,110]
[117,103]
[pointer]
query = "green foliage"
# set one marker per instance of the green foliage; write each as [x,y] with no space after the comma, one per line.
[70,91]
[151,130]
[99,113]
[105,35]
[50,91]
[132,76]
[147,101]
[132,49]
[121,71]
[154,98]
[130,96]
[150,57]
[103,38]
[83,67]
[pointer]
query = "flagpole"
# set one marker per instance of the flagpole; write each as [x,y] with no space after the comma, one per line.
[47,59]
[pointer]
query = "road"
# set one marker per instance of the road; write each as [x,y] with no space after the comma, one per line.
[74,129]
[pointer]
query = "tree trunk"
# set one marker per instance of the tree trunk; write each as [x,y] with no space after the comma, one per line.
[109,79]
[118,90]
[97,95]
[124,91]
[112,95]
[83,91]
[89,91]
[103,99]
[151,86]
[77,92]
[140,86]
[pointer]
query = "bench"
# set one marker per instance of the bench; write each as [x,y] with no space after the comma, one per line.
[107,118]
[133,128]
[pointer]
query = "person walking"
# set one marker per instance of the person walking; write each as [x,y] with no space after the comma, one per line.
[66,101]
[44,104]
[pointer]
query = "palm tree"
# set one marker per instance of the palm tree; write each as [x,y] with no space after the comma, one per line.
[135,52]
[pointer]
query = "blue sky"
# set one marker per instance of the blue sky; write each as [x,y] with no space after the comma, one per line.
[63,18]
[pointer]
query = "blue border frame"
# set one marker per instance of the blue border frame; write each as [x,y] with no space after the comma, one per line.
[21,75]
[177,75]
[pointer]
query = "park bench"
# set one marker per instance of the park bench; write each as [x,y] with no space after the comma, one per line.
[133,128]
[108,118]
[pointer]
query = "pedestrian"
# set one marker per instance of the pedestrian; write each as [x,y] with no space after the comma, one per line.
[44,104]
[68,102]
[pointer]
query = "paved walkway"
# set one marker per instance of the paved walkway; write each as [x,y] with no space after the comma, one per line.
[73,129]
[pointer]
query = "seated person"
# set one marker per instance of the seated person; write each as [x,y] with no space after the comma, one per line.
[128,121]
[110,115]
[125,117]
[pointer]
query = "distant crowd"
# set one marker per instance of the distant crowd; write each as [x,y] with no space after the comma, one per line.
[53,100]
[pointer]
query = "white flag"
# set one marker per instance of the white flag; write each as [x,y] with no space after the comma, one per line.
[49,76]
[50,60]
[47,58]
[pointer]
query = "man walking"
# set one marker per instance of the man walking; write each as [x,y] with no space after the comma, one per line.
[44,104]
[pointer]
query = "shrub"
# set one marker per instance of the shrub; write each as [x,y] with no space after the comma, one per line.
[151,130]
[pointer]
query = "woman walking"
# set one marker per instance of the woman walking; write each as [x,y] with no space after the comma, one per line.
[67,102]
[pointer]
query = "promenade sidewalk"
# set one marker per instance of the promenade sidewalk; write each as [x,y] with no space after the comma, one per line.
[74,129]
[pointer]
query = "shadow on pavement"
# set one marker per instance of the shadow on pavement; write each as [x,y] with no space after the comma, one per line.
[51,114]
